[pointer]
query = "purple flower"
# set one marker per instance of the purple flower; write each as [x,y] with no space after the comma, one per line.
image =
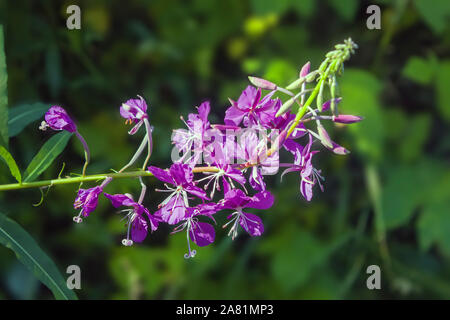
[251,109]
[173,209]
[201,233]
[134,110]
[137,225]
[254,152]
[308,174]
[197,136]
[58,119]
[237,200]
[227,174]
[87,200]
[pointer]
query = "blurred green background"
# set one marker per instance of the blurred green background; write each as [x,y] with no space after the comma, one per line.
[387,203]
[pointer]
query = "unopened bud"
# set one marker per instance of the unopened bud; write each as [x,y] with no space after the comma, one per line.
[305,70]
[337,149]
[262,83]
[326,105]
[324,137]
[312,76]
[296,84]
[319,100]
[346,118]
[288,104]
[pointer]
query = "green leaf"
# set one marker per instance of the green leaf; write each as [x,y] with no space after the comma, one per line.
[443,94]
[14,237]
[346,9]
[300,255]
[23,115]
[11,164]
[48,153]
[304,8]
[3,94]
[415,136]
[433,226]
[360,91]
[436,13]
[419,70]
[263,7]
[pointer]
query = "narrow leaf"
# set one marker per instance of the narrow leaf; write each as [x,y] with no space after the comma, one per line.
[23,115]
[11,164]
[14,237]
[48,153]
[3,94]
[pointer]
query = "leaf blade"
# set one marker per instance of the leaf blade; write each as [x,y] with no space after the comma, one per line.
[23,115]
[15,172]
[46,155]
[14,237]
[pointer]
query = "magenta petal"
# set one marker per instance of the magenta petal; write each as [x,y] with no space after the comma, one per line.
[202,234]
[203,111]
[181,173]
[234,116]
[306,190]
[174,211]
[196,191]
[261,200]
[139,229]
[234,198]
[160,174]
[252,224]
[154,221]
[118,200]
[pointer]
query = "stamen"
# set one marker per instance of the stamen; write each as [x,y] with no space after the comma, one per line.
[43,126]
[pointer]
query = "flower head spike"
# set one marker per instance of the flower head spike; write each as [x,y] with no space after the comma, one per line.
[134,110]
[173,209]
[137,225]
[237,200]
[87,200]
[57,119]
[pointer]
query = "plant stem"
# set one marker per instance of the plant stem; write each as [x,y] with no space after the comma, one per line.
[87,154]
[87,178]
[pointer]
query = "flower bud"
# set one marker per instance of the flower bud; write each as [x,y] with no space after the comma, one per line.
[346,118]
[324,137]
[288,104]
[327,104]
[312,76]
[340,150]
[319,99]
[305,70]
[262,83]
[296,84]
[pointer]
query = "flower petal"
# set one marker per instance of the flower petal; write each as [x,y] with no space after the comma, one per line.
[202,234]
[252,224]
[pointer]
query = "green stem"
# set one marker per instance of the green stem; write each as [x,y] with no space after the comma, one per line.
[94,177]
[301,112]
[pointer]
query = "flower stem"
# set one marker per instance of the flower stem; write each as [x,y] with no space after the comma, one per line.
[87,178]
[87,154]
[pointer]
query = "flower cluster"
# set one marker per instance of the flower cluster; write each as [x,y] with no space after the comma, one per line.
[222,167]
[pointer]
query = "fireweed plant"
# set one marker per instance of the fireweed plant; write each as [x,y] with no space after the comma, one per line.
[220,167]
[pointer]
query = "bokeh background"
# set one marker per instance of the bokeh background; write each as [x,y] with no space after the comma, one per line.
[387,203]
